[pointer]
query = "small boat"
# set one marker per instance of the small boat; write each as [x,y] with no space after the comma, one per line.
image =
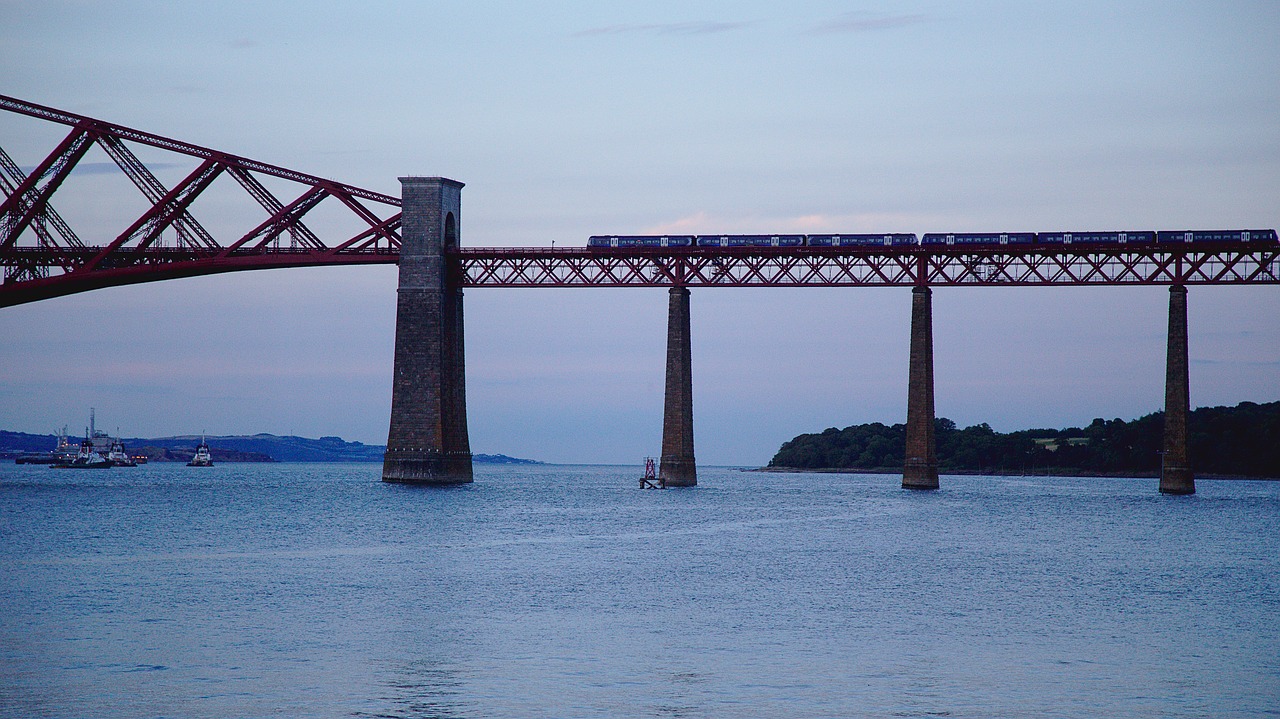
[202,457]
[86,458]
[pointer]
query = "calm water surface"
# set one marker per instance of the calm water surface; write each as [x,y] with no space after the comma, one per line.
[315,590]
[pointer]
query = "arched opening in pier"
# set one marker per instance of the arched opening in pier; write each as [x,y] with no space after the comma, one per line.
[450,232]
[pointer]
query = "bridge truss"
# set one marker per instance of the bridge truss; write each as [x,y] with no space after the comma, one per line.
[42,256]
[1074,265]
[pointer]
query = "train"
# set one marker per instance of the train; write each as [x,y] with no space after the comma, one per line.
[900,239]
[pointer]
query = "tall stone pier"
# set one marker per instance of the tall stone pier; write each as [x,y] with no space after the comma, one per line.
[427,442]
[920,468]
[1175,471]
[677,466]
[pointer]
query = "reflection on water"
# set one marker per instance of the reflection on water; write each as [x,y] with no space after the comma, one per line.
[423,690]
[318,591]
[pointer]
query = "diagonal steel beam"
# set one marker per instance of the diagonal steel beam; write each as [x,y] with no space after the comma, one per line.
[11,177]
[30,197]
[189,231]
[385,230]
[164,213]
[281,221]
[14,104]
[272,204]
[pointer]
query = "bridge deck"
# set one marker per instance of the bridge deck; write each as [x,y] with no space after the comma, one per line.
[59,271]
[1215,263]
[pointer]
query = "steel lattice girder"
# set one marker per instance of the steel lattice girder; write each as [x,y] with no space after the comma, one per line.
[135,256]
[60,263]
[1222,263]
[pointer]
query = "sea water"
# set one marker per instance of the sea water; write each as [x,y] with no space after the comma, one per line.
[316,590]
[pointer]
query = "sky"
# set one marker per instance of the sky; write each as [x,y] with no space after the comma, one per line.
[568,119]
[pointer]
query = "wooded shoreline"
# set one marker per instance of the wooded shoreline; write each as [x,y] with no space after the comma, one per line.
[1241,441]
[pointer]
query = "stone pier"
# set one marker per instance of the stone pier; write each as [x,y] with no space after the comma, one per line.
[677,466]
[920,468]
[1175,471]
[427,442]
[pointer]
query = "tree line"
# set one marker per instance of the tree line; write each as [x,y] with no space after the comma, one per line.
[1243,440]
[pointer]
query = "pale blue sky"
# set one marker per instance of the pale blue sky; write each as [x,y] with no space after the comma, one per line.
[569,119]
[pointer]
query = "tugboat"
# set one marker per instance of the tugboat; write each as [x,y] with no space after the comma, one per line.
[118,456]
[97,445]
[202,457]
[86,458]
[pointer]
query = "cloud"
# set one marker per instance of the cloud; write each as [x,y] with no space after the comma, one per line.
[861,21]
[670,28]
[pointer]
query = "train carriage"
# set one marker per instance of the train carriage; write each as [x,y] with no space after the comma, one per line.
[978,238]
[750,240]
[863,240]
[1184,236]
[640,241]
[1094,238]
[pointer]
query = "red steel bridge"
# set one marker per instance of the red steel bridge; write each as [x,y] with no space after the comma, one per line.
[874,266]
[42,256]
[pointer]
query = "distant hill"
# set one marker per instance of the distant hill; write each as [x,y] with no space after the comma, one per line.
[258,447]
[499,459]
[281,449]
[1230,441]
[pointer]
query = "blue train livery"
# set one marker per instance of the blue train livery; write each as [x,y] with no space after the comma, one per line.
[640,241]
[750,240]
[895,239]
[1216,236]
[979,238]
[1087,238]
[890,239]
